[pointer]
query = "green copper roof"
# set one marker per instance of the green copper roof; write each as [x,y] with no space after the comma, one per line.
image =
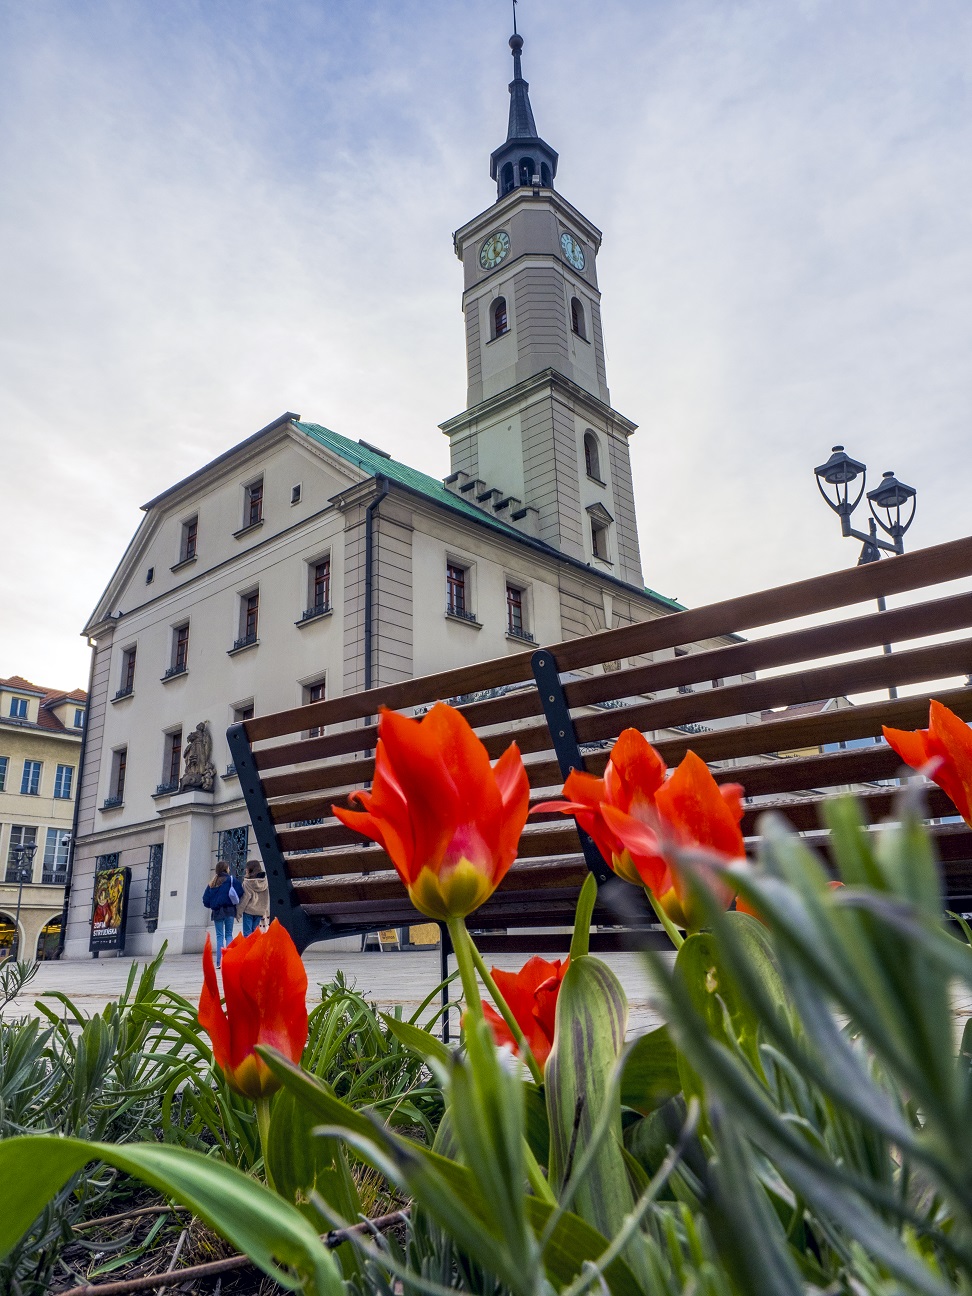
[374,463]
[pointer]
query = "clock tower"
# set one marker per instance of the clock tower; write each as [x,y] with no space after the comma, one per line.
[539,443]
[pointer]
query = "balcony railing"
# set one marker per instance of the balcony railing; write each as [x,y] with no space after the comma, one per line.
[124,693]
[515,633]
[54,877]
[462,613]
[175,670]
[245,642]
[166,789]
[310,613]
[112,802]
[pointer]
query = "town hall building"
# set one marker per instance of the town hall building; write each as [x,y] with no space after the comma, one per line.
[301,564]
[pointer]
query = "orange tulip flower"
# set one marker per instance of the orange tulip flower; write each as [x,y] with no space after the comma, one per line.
[948,743]
[266,1003]
[531,995]
[639,819]
[449,821]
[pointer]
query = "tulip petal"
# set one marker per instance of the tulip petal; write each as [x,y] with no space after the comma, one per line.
[911,745]
[212,1018]
[692,805]
[634,774]
[641,845]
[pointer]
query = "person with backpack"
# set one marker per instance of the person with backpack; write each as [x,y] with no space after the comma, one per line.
[222,897]
[255,905]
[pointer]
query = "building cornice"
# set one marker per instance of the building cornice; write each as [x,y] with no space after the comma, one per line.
[498,212]
[534,386]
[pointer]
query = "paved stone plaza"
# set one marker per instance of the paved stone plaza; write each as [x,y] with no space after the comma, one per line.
[390,977]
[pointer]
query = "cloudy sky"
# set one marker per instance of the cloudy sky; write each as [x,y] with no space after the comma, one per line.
[213,212]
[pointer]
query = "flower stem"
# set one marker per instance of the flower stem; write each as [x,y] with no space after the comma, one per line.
[461,944]
[677,939]
[505,1013]
[263,1124]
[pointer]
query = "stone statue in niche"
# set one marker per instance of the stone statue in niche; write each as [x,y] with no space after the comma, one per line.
[200,772]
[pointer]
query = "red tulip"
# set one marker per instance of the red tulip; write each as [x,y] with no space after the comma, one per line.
[266,1003]
[640,820]
[449,821]
[945,747]
[531,995]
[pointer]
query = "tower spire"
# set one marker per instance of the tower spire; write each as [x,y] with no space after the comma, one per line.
[525,159]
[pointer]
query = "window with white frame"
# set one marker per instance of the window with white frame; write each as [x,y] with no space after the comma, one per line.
[315,692]
[4,765]
[56,849]
[516,612]
[253,503]
[180,650]
[18,708]
[119,768]
[79,717]
[458,593]
[63,780]
[30,780]
[126,684]
[23,842]
[249,618]
[187,544]
[319,586]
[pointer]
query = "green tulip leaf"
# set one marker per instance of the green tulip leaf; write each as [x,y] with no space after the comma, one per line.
[591,1017]
[271,1231]
[419,1041]
[649,1075]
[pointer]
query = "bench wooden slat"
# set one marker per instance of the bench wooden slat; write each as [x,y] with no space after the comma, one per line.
[923,567]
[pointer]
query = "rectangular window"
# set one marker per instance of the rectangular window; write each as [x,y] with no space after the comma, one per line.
[514,610]
[20,855]
[243,712]
[119,766]
[253,503]
[249,619]
[128,673]
[79,718]
[4,763]
[180,649]
[18,708]
[187,549]
[599,541]
[295,494]
[314,693]
[683,688]
[30,783]
[56,849]
[456,590]
[173,758]
[320,590]
[63,778]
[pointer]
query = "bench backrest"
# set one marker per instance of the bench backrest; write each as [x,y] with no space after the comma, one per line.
[749,707]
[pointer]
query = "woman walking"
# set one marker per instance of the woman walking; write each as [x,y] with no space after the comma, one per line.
[255,905]
[221,897]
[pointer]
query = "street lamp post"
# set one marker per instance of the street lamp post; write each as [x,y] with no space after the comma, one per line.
[889,504]
[23,861]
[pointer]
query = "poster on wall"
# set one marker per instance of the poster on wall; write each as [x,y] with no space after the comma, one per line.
[110,912]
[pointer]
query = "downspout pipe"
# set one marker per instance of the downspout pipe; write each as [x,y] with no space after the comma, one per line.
[77,809]
[369,598]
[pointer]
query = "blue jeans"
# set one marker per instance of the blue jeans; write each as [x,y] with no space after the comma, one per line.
[224,934]
[250,923]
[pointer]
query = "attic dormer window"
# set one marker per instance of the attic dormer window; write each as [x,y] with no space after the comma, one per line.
[501,319]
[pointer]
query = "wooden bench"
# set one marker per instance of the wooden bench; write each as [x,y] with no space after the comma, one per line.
[746,706]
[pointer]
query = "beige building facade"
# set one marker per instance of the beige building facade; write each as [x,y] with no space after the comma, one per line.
[301,564]
[40,744]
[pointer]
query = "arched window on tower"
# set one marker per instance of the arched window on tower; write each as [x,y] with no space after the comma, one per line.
[546,179]
[577,318]
[501,319]
[527,171]
[592,458]
[509,179]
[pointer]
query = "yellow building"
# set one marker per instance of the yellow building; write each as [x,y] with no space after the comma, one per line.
[40,746]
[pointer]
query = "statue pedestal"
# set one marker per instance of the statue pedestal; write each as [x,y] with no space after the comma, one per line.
[187,865]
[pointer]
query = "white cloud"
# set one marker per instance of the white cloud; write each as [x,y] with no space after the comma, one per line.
[212,213]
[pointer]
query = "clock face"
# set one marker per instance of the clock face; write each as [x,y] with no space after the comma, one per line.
[494,250]
[573,251]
